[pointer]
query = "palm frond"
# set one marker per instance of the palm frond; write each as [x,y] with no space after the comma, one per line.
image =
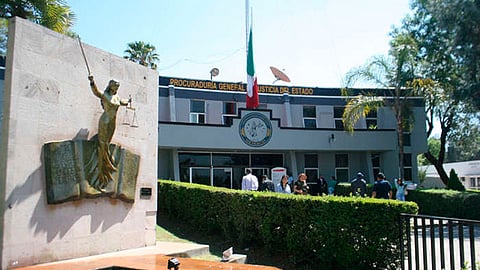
[359,107]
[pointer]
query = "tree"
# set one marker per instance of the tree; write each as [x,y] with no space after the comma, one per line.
[460,19]
[393,74]
[454,182]
[53,14]
[433,147]
[439,75]
[3,36]
[142,53]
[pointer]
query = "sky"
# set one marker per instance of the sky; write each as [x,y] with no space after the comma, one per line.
[314,42]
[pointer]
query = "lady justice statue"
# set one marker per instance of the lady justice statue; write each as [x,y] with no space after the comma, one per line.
[106,128]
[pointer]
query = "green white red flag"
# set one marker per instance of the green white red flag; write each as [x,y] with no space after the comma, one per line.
[252,86]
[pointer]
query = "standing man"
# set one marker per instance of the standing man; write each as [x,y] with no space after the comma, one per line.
[301,186]
[322,186]
[382,188]
[249,181]
[359,185]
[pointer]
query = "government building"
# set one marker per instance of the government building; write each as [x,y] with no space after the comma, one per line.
[207,136]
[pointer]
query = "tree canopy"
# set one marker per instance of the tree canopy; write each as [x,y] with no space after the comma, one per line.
[53,14]
[142,53]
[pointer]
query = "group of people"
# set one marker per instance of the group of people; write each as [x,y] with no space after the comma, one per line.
[382,189]
[286,184]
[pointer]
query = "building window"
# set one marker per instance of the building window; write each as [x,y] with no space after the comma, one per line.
[375,164]
[406,139]
[473,184]
[311,167]
[341,167]
[371,120]
[309,117]
[229,112]
[338,117]
[407,167]
[197,111]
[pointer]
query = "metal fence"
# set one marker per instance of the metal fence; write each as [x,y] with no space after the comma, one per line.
[429,242]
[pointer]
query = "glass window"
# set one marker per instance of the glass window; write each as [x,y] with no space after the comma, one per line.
[229,108]
[197,111]
[407,166]
[309,123]
[338,117]
[311,161]
[309,117]
[371,120]
[375,164]
[309,111]
[197,106]
[312,175]
[229,112]
[342,175]
[194,159]
[222,177]
[407,160]
[341,160]
[338,112]
[472,182]
[406,139]
[341,167]
[311,167]
[230,160]
[200,176]
[267,160]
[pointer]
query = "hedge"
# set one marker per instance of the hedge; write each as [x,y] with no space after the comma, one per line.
[332,231]
[434,202]
[447,203]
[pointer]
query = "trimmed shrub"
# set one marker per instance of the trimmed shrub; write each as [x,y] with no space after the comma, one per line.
[332,231]
[454,183]
[447,203]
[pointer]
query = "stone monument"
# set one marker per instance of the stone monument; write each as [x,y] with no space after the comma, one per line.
[53,202]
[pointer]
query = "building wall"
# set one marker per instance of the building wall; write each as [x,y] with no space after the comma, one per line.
[47,98]
[289,138]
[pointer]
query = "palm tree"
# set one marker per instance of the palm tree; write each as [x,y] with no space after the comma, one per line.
[53,14]
[392,73]
[142,53]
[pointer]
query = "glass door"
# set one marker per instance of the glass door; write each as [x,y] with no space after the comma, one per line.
[200,176]
[222,177]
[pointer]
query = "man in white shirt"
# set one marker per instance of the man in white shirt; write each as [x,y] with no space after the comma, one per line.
[249,181]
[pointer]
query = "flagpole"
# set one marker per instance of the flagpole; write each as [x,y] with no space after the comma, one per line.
[247,26]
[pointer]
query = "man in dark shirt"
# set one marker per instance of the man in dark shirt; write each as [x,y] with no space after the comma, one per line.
[382,188]
[359,185]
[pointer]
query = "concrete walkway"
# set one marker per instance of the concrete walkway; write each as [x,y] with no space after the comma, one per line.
[147,258]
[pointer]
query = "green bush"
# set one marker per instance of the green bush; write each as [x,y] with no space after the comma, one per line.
[454,183]
[332,231]
[447,203]
[345,189]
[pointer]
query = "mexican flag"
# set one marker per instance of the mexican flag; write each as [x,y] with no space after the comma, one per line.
[252,86]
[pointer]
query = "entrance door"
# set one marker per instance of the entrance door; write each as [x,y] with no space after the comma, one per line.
[258,172]
[200,176]
[222,177]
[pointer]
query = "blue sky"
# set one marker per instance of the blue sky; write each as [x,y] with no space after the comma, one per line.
[315,42]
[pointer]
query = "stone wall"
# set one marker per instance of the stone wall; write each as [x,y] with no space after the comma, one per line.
[47,98]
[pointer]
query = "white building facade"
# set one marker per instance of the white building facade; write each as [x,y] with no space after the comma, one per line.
[207,136]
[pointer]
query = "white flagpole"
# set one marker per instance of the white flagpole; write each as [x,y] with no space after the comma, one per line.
[247,23]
